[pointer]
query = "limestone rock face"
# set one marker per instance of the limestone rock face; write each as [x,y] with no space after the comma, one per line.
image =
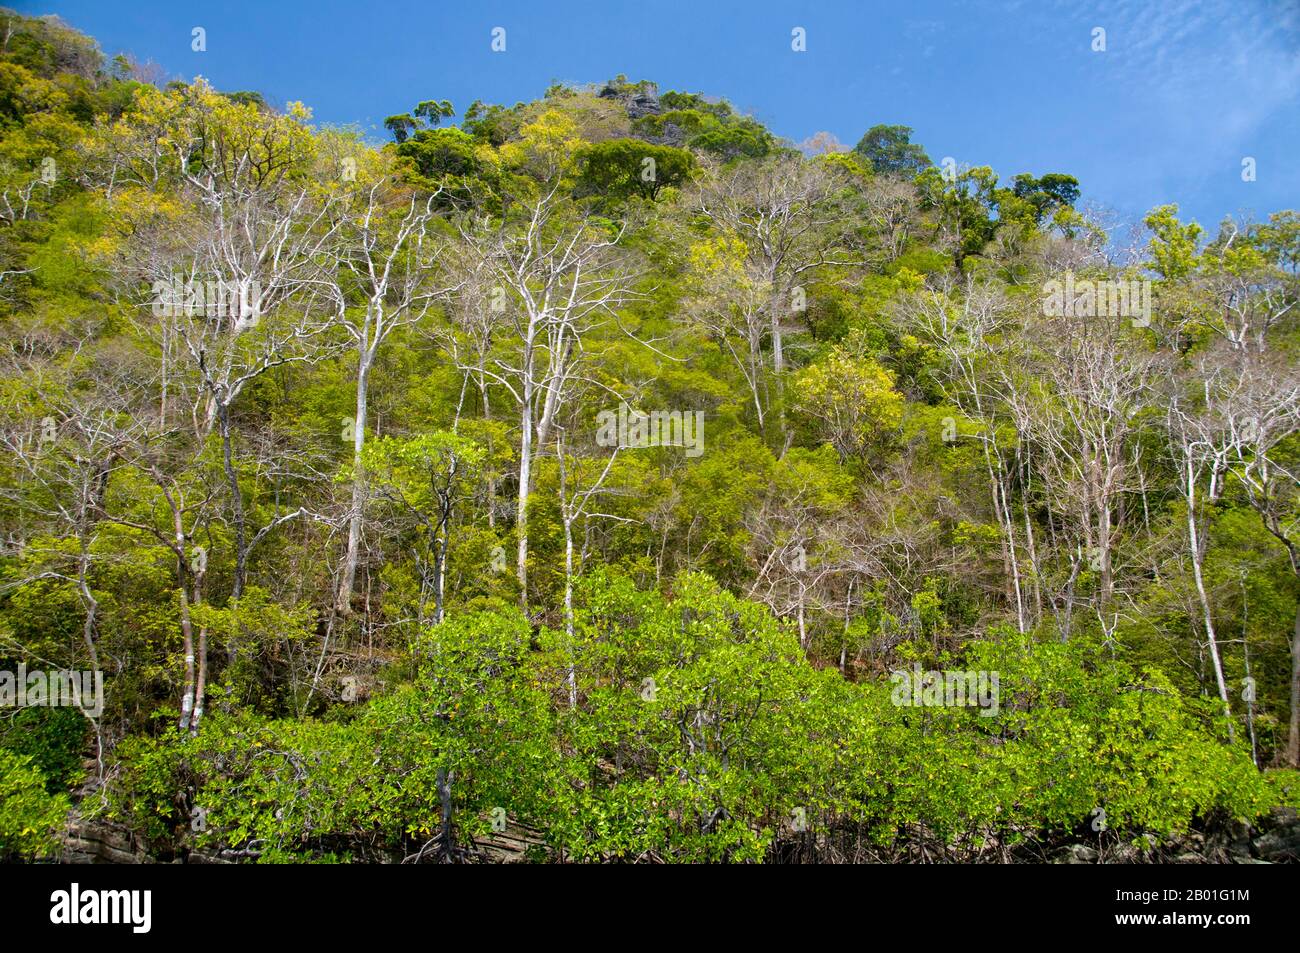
[1279,841]
[640,100]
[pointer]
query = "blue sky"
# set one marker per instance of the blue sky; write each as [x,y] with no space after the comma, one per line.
[1183,91]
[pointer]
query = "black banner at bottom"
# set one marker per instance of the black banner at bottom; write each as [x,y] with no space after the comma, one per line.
[139,905]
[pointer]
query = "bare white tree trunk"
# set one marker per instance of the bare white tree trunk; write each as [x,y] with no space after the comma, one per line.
[1194,549]
[343,603]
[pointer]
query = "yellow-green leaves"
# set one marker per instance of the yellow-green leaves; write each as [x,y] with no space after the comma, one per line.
[852,399]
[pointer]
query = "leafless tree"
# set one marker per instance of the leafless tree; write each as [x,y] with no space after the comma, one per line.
[558,278]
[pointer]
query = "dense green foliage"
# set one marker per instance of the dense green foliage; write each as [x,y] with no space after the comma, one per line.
[701,733]
[307,449]
[30,817]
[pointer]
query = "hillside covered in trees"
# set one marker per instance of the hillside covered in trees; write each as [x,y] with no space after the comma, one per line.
[607,473]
